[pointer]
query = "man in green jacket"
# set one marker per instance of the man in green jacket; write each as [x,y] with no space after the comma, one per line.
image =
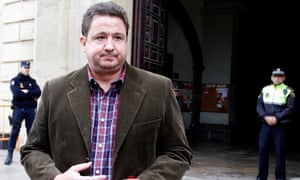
[107,120]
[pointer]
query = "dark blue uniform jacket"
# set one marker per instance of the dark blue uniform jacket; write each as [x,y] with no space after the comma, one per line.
[282,112]
[21,99]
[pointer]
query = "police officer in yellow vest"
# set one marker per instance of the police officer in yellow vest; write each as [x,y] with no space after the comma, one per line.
[275,106]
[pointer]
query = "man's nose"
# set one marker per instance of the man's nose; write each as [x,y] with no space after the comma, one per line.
[109,45]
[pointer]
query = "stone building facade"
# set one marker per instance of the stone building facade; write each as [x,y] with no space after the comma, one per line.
[45,32]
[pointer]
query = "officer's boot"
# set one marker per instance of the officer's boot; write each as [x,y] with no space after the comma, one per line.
[9,157]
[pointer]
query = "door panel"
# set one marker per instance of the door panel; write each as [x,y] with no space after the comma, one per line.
[150,35]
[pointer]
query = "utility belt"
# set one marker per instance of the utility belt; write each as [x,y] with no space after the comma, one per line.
[22,108]
[284,121]
[10,117]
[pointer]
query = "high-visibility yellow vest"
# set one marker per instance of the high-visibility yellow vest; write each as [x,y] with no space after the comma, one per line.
[276,94]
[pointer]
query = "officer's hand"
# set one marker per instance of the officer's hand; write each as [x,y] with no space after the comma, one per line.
[271,120]
[74,173]
[24,91]
[274,121]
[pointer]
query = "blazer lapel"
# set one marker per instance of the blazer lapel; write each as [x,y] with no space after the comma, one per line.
[79,99]
[132,96]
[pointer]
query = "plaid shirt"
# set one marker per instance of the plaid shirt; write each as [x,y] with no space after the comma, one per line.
[104,113]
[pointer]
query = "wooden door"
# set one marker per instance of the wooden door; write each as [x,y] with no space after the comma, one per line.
[150,35]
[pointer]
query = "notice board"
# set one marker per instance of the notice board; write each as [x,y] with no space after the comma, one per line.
[184,97]
[214,98]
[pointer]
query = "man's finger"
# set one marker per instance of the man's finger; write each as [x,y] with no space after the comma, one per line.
[81,166]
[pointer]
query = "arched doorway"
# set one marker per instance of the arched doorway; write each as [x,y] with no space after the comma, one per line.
[149,45]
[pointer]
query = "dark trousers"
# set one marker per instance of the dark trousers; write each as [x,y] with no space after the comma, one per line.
[267,136]
[18,116]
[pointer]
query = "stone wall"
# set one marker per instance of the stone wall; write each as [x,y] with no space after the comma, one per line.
[45,32]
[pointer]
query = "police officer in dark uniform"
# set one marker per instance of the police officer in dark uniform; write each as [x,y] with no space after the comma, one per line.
[275,106]
[25,92]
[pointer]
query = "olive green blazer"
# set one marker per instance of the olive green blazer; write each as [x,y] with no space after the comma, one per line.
[150,142]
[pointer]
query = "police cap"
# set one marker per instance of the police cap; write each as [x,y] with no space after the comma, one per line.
[278,71]
[25,64]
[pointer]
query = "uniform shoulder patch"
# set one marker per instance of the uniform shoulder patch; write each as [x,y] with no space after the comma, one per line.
[292,94]
[290,88]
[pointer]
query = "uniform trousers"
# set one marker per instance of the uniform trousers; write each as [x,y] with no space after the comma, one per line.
[20,114]
[275,135]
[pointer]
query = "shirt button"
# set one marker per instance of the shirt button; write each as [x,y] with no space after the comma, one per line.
[102,119]
[100,145]
[97,172]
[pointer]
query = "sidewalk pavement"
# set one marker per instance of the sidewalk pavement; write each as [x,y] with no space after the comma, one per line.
[210,162]
[13,172]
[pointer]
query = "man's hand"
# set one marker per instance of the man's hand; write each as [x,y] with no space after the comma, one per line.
[74,173]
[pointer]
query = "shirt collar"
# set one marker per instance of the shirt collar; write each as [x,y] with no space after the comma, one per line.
[119,82]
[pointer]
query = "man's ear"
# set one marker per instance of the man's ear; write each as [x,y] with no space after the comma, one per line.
[83,43]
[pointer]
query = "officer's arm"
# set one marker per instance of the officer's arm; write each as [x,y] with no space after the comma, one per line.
[16,90]
[35,90]
[288,110]
[260,109]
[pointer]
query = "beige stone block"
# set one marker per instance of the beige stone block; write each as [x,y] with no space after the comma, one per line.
[27,50]
[11,32]
[27,30]
[11,1]
[11,13]
[18,51]
[5,94]
[20,11]
[8,70]
[28,10]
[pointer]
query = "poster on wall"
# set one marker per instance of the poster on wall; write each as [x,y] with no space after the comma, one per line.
[184,95]
[214,98]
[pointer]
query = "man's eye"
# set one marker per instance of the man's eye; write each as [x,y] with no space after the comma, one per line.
[118,38]
[100,38]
